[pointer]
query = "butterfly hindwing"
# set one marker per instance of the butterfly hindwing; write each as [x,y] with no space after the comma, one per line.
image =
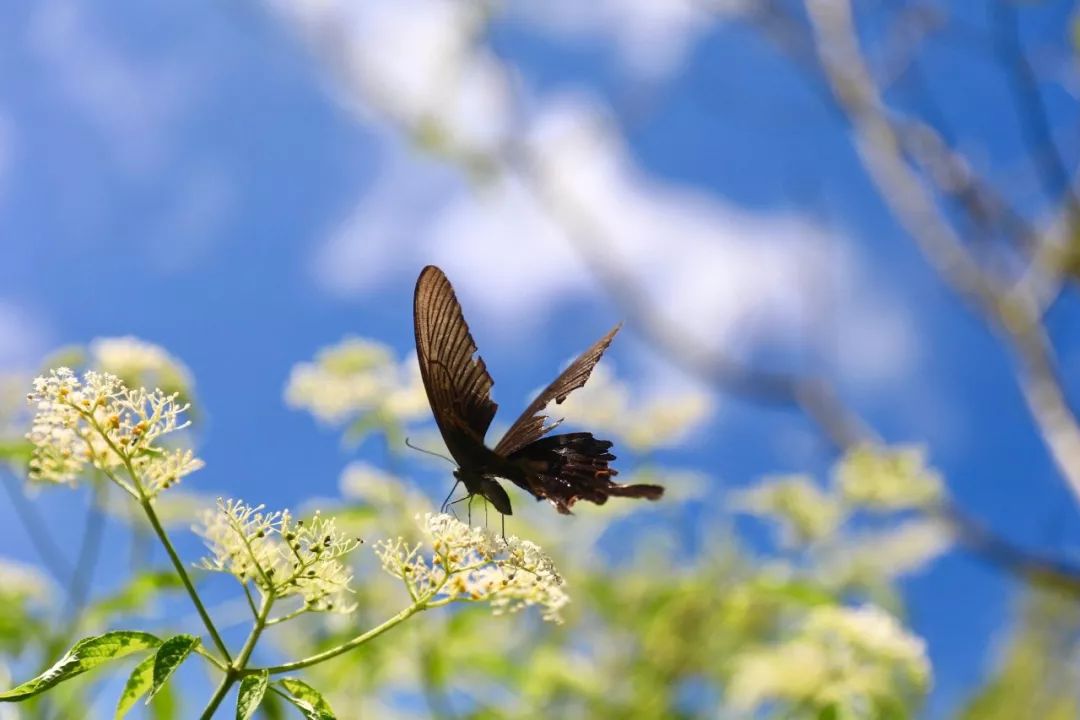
[532,425]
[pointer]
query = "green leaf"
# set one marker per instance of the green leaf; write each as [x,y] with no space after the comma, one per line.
[137,684]
[252,689]
[307,699]
[85,655]
[169,656]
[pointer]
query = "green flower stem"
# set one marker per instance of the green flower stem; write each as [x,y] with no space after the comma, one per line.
[288,616]
[148,508]
[210,657]
[178,565]
[345,647]
[236,669]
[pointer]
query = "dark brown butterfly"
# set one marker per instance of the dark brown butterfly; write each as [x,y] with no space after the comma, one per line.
[561,468]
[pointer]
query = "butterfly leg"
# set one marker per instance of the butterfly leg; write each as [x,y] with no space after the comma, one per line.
[446,503]
[450,506]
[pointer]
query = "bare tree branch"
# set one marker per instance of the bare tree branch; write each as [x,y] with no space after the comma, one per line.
[880,147]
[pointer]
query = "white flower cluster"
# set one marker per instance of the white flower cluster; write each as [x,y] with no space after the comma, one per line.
[888,479]
[839,657]
[281,556]
[99,421]
[471,564]
[354,377]
[141,364]
[806,512]
[605,406]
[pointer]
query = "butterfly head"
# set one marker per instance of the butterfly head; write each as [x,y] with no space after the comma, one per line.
[486,487]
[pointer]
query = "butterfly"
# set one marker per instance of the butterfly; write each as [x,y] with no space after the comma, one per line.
[561,469]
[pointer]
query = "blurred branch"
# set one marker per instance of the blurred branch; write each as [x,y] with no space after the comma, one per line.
[36,529]
[881,149]
[1038,570]
[1034,119]
[89,550]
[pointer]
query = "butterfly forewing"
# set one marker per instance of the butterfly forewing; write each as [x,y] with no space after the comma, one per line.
[532,425]
[456,380]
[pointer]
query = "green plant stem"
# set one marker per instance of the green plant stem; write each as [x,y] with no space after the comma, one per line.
[178,565]
[236,669]
[151,514]
[345,647]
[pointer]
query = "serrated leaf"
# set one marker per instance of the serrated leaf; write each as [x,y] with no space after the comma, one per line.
[85,655]
[307,699]
[137,684]
[252,689]
[169,656]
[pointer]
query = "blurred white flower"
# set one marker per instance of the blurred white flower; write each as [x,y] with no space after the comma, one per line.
[837,657]
[101,422]
[382,490]
[141,364]
[446,86]
[356,377]
[607,407]
[22,581]
[888,479]
[281,556]
[470,564]
[805,512]
[867,559]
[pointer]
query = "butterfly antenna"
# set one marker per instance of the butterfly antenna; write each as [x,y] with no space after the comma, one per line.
[429,452]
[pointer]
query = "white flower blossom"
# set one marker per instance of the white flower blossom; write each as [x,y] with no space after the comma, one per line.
[888,478]
[355,377]
[806,512]
[837,657]
[281,556]
[99,421]
[868,558]
[458,562]
[141,364]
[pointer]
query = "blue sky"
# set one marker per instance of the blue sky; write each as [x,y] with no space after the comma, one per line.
[207,177]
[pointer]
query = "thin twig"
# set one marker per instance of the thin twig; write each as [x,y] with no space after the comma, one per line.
[36,529]
[914,207]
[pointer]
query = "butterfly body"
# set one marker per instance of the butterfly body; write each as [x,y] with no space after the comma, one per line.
[560,468]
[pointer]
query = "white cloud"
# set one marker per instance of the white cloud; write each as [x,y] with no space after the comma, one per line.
[130,101]
[651,37]
[23,337]
[736,279]
[415,59]
[739,280]
[377,243]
